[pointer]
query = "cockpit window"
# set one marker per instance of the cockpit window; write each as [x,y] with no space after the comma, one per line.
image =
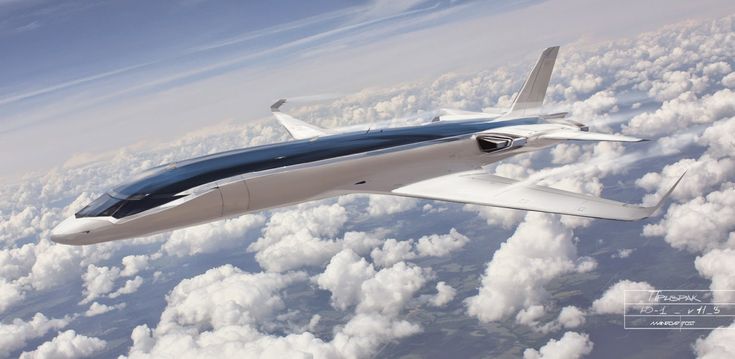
[108,206]
[101,207]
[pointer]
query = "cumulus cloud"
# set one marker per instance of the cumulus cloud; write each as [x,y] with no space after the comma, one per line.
[97,309]
[720,343]
[702,175]
[130,286]
[718,266]
[571,345]
[612,301]
[98,281]
[361,242]
[192,302]
[571,317]
[132,265]
[222,310]
[565,153]
[211,237]
[440,245]
[540,250]
[383,205]
[300,230]
[701,224]
[54,264]
[10,294]
[393,251]
[389,290]
[69,345]
[17,262]
[682,112]
[444,294]
[344,276]
[434,245]
[17,333]
[718,140]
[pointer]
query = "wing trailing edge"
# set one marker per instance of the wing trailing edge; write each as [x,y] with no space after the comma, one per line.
[574,135]
[481,188]
[296,128]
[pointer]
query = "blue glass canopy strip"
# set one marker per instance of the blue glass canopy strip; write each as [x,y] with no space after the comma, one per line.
[173,178]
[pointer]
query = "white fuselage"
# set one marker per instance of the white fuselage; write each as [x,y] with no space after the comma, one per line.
[377,171]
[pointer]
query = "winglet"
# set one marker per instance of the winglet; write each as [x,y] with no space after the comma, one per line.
[534,89]
[666,195]
[297,128]
[275,107]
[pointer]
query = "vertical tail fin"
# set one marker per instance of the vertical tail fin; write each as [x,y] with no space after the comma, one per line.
[534,89]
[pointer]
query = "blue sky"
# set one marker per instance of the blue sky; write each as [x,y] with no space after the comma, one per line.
[95,76]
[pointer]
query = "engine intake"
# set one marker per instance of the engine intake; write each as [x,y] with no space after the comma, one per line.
[499,142]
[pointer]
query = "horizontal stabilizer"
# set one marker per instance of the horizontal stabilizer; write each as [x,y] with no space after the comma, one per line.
[297,128]
[587,136]
[534,89]
[477,187]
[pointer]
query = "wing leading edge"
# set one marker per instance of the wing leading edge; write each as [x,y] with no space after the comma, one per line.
[480,188]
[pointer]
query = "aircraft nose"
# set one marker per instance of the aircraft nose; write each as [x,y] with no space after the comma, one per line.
[67,231]
[76,231]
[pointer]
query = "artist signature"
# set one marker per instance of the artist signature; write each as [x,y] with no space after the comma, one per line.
[659,297]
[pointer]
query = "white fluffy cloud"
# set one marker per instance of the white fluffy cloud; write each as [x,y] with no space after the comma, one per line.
[382,205]
[683,111]
[222,310]
[389,290]
[211,237]
[612,301]
[17,262]
[718,265]
[99,281]
[702,174]
[10,294]
[97,309]
[701,224]
[540,250]
[67,344]
[441,245]
[393,251]
[571,317]
[718,138]
[300,230]
[720,343]
[344,276]
[444,294]
[130,286]
[14,335]
[192,302]
[571,345]
[132,265]
[434,245]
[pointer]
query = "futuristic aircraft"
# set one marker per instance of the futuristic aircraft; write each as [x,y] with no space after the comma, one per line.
[440,160]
